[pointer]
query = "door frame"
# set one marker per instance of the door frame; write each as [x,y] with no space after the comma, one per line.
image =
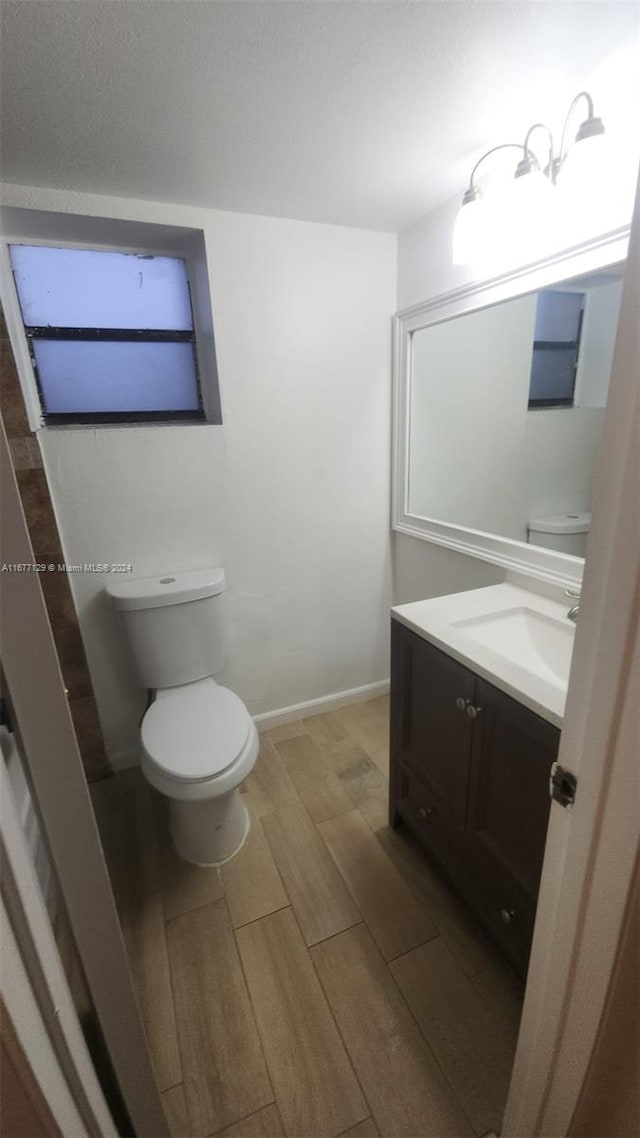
[28,1044]
[61,795]
[32,958]
[591,851]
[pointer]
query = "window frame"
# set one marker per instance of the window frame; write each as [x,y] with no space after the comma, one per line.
[111,335]
[558,346]
[117,235]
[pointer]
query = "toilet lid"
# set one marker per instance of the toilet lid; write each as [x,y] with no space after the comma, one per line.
[195,731]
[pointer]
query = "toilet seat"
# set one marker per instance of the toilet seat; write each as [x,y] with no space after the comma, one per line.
[194,732]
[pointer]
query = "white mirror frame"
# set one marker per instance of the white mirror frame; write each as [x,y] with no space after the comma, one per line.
[517,556]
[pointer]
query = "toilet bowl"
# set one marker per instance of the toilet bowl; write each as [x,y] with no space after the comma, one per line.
[199,742]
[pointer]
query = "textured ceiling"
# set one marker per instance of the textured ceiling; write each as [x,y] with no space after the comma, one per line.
[364,113]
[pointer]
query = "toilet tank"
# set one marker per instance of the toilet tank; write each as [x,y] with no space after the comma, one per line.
[566,533]
[174,623]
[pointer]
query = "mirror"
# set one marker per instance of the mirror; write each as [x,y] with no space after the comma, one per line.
[506,410]
[500,400]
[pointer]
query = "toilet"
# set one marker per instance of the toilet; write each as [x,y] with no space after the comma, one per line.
[199,742]
[566,533]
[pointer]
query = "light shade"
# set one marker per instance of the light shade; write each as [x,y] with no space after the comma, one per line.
[469,232]
[597,182]
[529,222]
[520,223]
[586,168]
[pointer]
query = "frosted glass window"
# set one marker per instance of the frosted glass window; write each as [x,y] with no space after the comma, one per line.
[111,334]
[553,376]
[558,316]
[84,288]
[88,376]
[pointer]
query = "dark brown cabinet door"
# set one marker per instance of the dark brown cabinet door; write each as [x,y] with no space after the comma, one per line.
[431,732]
[512,753]
[474,788]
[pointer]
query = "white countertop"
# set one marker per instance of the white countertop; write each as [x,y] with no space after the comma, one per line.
[437,620]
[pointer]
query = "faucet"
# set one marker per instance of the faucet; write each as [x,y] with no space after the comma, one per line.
[573,612]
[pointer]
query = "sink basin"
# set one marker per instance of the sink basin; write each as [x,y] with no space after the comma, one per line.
[515,637]
[526,637]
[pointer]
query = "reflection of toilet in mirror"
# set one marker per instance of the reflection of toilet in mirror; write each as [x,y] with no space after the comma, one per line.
[566,533]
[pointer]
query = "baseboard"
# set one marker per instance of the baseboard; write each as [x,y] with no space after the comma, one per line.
[122,760]
[325,703]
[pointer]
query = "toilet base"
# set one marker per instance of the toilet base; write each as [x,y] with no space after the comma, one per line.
[211,831]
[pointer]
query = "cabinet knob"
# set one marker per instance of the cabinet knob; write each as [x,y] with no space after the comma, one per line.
[507,915]
[472,711]
[425,811]
[461,703]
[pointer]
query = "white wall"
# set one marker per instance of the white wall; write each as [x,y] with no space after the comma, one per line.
[425,269]
[560,444]
[423,570]
[597,343]
[290,494]
[558,459]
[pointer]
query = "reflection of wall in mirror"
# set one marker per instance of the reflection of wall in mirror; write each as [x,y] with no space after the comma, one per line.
[469,393]
[561,443]
[597,343]
[478,456]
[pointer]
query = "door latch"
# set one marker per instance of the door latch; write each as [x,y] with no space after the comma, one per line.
[562,786]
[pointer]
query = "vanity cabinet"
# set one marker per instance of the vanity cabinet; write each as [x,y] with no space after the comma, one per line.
[470,776]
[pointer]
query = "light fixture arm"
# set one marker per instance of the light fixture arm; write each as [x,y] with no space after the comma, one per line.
[590,115]
[473,189]
[528,151]
[534,179]
[529,160]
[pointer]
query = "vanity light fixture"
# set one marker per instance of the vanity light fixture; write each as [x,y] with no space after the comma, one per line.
[527,207]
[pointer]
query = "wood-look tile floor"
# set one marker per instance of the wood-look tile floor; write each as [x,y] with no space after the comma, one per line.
[324,982]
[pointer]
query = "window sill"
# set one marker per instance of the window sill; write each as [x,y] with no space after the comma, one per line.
[126,425]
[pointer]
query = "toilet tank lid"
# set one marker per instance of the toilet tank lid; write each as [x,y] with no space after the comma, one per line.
[166,589]
[578,522]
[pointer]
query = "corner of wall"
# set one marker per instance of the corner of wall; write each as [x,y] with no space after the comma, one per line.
[45,539]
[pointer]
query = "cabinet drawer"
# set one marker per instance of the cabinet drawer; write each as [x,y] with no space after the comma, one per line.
[498,901]
[419,807]
[506,910]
